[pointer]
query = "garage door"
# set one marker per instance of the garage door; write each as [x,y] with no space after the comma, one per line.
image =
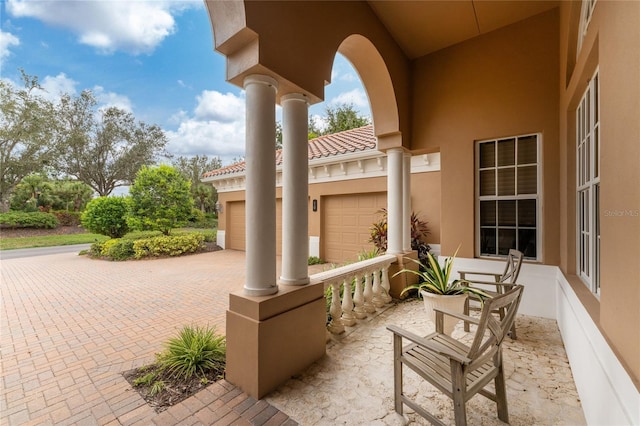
[235,232]
[346,220]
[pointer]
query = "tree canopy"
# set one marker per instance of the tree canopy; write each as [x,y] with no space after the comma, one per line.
[338,119]
[192,168]
[28,130]
[160,199]
[105,148]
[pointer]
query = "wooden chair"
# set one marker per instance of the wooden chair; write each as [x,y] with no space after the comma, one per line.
[507,278]
[458,370]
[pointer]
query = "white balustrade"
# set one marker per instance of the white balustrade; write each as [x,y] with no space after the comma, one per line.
[370,292]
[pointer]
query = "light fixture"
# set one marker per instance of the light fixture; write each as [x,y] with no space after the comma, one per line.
[219,207]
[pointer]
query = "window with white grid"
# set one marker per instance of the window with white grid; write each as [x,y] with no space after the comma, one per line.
[508,196]
[588,185]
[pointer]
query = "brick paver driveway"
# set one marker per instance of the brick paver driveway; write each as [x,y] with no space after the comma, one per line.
[71,325]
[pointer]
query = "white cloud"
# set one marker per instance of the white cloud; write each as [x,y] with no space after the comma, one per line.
[357,97]
[132,26]
[111,99]
[215,106]
[217,127]
[6,41]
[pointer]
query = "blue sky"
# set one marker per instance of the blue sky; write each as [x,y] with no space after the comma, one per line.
[153,58]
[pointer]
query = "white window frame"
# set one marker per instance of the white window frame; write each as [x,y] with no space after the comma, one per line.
[588,145]
[538,195]
[585,19]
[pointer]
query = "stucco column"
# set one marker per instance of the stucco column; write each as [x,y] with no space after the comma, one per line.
[260,185]
[395,205]
[406,202]
[295,190]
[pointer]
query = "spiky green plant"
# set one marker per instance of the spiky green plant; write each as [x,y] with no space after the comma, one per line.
[195,351]
[156,388]
[435,279]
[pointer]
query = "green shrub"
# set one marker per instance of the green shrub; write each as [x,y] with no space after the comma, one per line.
[106,216]
[118,249]
[313,260]
[28,220]
[96,249]
[210,236]
[160,199]
[168,245]
[194,351]
[66,218]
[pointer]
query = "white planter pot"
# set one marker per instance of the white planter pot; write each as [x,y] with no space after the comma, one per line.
[453,303]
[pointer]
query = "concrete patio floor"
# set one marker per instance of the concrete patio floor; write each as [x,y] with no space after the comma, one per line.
[71,325]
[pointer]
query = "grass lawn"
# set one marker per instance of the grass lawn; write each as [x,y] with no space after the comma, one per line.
[49,241]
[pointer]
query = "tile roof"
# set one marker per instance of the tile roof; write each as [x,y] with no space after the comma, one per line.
[348,141]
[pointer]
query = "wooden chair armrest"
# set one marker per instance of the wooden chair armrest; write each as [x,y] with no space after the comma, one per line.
[465,318]
[427,344]
[495,275]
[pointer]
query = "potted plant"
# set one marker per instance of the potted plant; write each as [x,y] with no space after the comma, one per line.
[438,291]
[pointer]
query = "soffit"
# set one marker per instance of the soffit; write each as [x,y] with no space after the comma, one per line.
[423,27]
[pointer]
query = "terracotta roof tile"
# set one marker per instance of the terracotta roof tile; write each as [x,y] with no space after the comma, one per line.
[348,141]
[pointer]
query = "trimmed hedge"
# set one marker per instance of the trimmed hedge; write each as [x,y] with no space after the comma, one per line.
[155,246]
[168,245]
[28,220]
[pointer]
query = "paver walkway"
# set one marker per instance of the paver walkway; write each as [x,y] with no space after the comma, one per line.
[70,326]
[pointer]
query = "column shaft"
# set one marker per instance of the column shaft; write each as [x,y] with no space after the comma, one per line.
[406,202]
[261,186]
[295,190]
[395,204]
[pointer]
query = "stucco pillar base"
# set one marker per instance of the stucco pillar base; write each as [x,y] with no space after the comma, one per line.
[400,281]
[271,338]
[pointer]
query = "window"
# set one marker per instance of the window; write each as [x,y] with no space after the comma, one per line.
[585,18]
[588,185]
[507,202]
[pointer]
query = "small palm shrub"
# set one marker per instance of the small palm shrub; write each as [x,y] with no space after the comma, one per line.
[194,351]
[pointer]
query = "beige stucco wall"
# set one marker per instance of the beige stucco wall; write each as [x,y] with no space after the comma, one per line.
[500,84]
[613,44]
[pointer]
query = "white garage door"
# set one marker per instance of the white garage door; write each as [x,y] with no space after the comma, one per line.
[346,220]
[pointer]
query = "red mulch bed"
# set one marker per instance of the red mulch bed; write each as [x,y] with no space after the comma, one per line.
[37,232]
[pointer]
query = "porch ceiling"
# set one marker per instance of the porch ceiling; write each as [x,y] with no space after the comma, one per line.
[423,27]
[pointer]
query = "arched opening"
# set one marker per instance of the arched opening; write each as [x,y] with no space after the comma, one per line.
[374,74]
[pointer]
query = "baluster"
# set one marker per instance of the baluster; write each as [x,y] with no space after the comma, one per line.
[348,318]
[358,299]
[335,326]
[386,287]
[368,293]
[378,295]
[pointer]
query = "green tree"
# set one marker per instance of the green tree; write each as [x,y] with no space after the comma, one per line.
[192,168]
[105,148]
[72,195]
[38,191]
[340,118]
[27,134]
[106,216]
[160,199]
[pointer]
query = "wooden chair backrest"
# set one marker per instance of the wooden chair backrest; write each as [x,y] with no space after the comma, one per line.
[512,268]
[491,329]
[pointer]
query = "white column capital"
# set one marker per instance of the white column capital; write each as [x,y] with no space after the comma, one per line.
[260,79]
[294,97]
